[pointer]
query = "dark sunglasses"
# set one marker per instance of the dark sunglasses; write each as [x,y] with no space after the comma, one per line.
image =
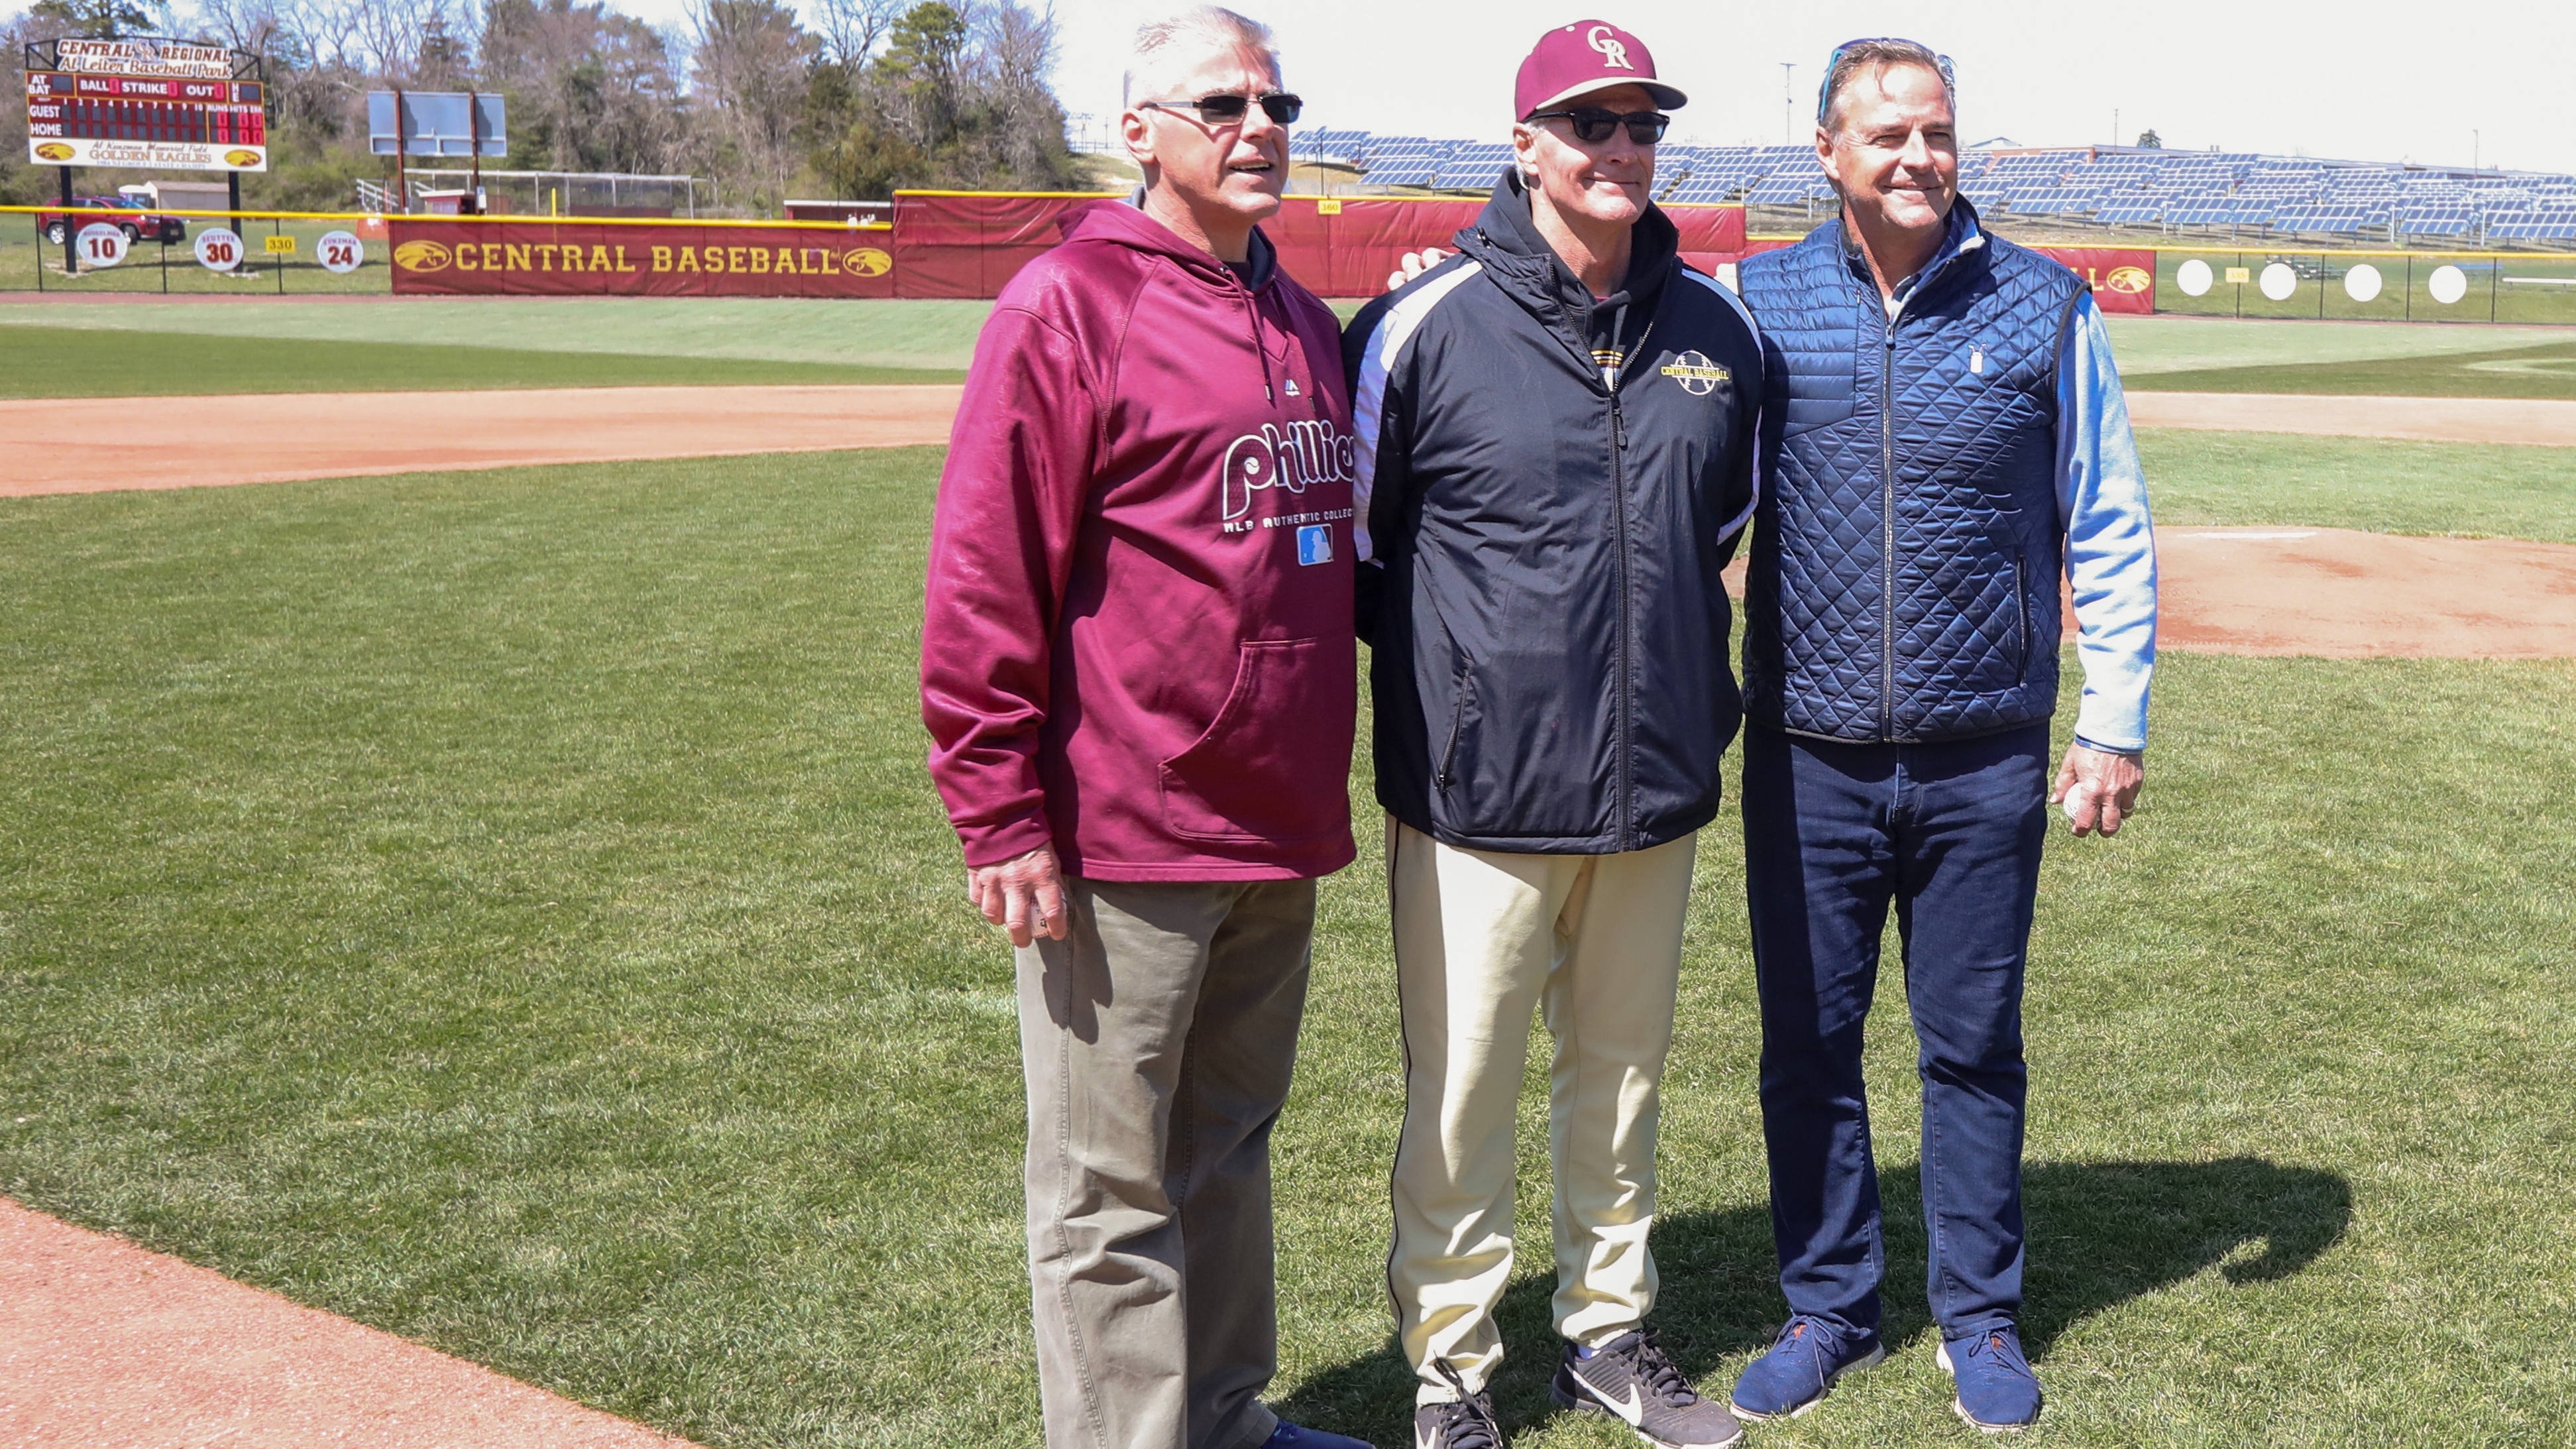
[1222,110]
[1593,125]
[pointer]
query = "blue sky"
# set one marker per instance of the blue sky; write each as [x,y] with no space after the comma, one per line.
[2365,82]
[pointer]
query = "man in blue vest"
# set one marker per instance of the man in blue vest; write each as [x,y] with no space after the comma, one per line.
[1943,436]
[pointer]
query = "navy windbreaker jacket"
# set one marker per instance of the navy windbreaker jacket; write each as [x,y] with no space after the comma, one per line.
[1550,485]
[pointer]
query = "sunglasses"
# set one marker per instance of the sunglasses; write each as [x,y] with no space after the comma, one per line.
[1593,125]
[1222,110]
[1825,92]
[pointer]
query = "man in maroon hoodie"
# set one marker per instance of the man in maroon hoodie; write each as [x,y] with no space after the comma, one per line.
[1138,670]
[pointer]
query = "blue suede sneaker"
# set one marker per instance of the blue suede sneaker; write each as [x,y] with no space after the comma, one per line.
[1294,1436]
[1997,1390]
[1800,1369]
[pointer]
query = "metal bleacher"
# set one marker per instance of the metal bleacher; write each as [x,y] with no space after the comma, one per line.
[2181,194]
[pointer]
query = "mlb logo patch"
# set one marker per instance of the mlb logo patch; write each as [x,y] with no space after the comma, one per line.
[1315,544]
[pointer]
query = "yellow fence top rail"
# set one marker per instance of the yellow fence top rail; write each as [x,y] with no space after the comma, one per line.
[252,214]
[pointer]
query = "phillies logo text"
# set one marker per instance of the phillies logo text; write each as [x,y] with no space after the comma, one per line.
[1295,458]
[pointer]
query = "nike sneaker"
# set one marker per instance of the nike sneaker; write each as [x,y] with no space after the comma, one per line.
[1630,1379]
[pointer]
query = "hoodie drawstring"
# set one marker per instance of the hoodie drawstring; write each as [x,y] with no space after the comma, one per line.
[1252,319]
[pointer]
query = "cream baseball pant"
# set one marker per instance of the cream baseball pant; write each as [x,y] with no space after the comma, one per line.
[1483,939]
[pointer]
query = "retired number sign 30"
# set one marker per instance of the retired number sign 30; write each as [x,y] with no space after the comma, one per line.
[218,249]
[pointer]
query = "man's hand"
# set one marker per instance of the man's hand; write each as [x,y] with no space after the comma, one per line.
[1024,895]
[1414,264]
[2100,788]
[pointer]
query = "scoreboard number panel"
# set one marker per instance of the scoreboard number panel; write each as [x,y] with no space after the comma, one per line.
[160,104]
[340,252]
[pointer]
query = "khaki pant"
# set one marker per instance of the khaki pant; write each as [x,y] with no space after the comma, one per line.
[1481,939]
[1158,1039]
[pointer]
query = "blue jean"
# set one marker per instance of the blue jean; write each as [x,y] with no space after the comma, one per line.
[1951,832]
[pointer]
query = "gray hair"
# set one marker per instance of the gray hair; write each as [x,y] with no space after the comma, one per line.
[1183,37]
[1875,56]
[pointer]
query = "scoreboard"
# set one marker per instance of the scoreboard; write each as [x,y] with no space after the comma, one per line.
[158,104]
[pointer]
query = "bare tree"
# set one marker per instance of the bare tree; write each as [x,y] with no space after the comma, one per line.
[851,29]
[751,65]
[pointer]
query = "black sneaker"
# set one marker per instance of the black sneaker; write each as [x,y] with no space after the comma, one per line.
[1630,1377]
[1466,1423]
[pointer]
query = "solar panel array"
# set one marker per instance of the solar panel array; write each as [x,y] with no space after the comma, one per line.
[2172,191]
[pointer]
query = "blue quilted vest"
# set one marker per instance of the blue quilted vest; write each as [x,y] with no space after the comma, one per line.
[1903,583]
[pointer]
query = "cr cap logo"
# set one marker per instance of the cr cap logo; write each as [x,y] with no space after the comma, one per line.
[241,158]
[2132,280]
[422,256]
[1614,53]
[1698,376]
[53,151]
[866,262]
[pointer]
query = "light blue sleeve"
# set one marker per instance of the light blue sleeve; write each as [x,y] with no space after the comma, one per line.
[2110,541]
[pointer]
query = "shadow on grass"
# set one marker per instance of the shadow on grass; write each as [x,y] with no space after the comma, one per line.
[2100,1233]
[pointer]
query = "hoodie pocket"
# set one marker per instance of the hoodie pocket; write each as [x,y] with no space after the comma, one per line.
[1263,771]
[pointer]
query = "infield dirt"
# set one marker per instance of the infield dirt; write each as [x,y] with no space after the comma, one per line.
[104,1343]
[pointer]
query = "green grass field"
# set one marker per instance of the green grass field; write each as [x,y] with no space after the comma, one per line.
[508,908]
[2547,371]
[353,345]
[103,362]
[902,334]
[2367,483]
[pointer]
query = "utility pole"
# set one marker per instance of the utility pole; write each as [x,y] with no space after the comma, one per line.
[1788,104]
[2473,148]
[2115,125]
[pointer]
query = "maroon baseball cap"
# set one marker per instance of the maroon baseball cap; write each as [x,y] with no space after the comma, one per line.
[1588,55]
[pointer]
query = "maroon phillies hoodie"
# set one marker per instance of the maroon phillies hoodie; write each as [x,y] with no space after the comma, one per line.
[1138,641]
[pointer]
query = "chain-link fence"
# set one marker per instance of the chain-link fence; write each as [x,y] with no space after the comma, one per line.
[2375,286]
[187,254]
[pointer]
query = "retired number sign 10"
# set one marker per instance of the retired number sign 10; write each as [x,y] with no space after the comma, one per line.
[101,245]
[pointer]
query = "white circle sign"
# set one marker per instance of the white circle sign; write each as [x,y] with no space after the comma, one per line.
[2448,284]
[218,250]
[2279,281]
[2362,283]
[2194,278]
[339,251]
[99,245]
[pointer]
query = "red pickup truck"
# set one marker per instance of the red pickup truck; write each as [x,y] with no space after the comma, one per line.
[134,223]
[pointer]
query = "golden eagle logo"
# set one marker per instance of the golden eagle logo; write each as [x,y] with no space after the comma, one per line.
[2131,280]
[422,256]
[54,151]
[238,157]
[866,262]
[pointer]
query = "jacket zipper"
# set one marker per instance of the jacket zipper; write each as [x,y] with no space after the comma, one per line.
[1627,687]
[1887,524]
[1619,530]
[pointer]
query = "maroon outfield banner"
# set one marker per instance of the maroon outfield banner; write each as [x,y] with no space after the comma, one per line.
[472,257]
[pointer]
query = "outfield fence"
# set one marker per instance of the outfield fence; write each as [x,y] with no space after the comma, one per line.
[958,244]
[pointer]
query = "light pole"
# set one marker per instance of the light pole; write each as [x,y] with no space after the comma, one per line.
[1788,103]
